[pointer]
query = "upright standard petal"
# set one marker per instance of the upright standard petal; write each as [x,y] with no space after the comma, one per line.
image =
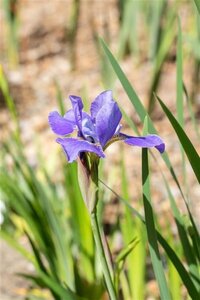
[148,141]
[59,124]
[72,147]
[107,121]
[99,101]
[77,105]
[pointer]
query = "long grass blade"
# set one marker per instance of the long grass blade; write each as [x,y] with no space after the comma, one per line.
[183,273]
[60,292]
[166,40]
[179,97]
[183,234]
[184,140]
[131,228]
[197,2]
[138,106]
[151,231]
[9,102]
[80,221]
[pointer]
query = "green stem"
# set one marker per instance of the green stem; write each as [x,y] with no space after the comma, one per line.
[101,253]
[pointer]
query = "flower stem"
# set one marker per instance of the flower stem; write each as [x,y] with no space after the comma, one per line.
[101,253]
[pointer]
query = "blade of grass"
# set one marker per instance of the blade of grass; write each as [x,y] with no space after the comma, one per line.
[167,38]
[151,231]
[174,278]
[80,221]
[188,147]
[128,28]
[197,2]
[179,97]
[185,241]
[192,114]
[57,290]
[11,8]
[138,106]
[120,261]
[183,273]
[39,215]
[132,228]
[156,10]
[9,102]
[179,78]
[40,264]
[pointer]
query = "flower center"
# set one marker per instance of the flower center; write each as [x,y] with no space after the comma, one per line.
[88,130]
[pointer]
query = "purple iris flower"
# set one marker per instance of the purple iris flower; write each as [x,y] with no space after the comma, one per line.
[97,130]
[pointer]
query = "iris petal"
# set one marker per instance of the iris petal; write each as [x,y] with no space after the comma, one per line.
[99,101]
[72,147]
[88,128]
[107,121]
[77,105]
[148,141]
[59,124]
[69,116]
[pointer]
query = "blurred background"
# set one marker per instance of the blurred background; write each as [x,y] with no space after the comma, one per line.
[51,49]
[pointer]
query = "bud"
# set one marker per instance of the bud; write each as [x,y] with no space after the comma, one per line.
[88,179]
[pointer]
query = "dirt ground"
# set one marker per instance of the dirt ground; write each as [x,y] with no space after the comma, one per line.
[45,55]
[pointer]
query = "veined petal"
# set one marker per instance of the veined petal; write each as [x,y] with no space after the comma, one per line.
[99,101]
[72,147]
[77,105]
[59,124]
[148,141]
[69,116]
[107,121]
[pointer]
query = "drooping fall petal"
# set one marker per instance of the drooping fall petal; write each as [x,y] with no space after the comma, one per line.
[73,147]
[148,141]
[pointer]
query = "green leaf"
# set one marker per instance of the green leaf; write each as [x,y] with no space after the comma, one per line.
[151,232]
[192,113]
[155,29]
[197,2]
[173,276]
[10,103]
[179,97]
[132,228]
[125,83]
[120,260]
[56,288]
[182,230]
[126,251]
[179,78]
[166,40]
[138,106]
[80,221]
[183,273]
[128,28]
[184,140]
